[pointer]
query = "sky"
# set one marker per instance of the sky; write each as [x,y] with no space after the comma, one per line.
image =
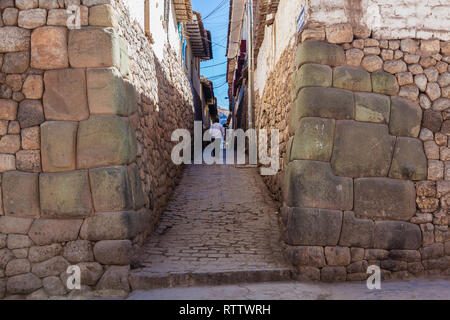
[215,15]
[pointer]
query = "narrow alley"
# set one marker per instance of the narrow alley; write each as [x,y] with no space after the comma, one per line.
[220,227]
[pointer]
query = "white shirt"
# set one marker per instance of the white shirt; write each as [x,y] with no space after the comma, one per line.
[217,131]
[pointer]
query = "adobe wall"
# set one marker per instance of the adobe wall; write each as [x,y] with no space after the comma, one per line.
[86,117]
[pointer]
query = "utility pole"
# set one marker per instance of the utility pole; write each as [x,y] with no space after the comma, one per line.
[250,63]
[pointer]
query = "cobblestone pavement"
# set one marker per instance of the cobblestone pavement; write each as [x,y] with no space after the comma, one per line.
[418,289]
[220,219]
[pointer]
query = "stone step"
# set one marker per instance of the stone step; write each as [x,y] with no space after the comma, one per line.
[142,279]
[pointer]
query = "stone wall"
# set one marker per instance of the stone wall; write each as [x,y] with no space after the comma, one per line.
[366,166]
[85,122]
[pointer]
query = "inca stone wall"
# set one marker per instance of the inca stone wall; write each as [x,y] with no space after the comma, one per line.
[366,168]
[85,122]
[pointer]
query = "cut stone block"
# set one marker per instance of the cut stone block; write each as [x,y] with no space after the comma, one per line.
[65,195]
[136,186]
[16,62]
[311,184]
[65,96]
[32,18]
[103,16]
[339,33]
[111,190]
[106,92]
[105,141]
[351,78]
[356,232]
[28,161]
[385,198]
[7,163]
[312,227]
[78,251]
[324,103]
[397,235]
[113,252]
[337,256]
[21,194]
[306,256]
[384,83]
[23,284]
[8,109]
[14,39]
[12,225]
[124,58]
[58,139]
[48,231]
[131,97]
[362,149]
[30,113]
[312,75]
[410,162]
[110,226]
[313,139]
[319,52]
[49,48]
[93,47]
[406,118]
[372,107]
[53,267]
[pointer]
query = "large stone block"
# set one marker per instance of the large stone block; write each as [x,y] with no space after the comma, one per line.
[78,251]
[105,141]
[48,231]
[103,16]
[362,150]
[325,103]
[13,225]
[124,58]
[111,189]
[23,284]
[58,145]
[113,252]
[319,52]
[65,96]
[111,226]
[106,92]
[30,113]
[397,235]
[406,118]
[8,109]
[43,253]
[372,107]
[115,278]
[53,267]
[312,227]
[21,194]
[385,198]
[311,184]
[356,232]
[409,162]
[313,140]
[139,198]
[306,256]
[312,75]
[65,195]
[93,47]
[131,97]
[14,39]
[32,18]
[352,78]
[337,256]
[49,48]
[384,83]
[16,62]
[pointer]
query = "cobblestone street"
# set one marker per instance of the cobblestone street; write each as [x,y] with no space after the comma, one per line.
[221,222]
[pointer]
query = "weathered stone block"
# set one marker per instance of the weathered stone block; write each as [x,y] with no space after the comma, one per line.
[397,235]
[105,141]
[28,161]
[13,225]
[48,231]
[312,227]
[18,241]
[7,163]
[111,189]
[23,284]
[352,79]
[93,47]
[8,109]
[21,194]
[90,272]
[406,118]
[339,33]
[356,232]
[372,63]
[409,162]
[113,252]
[139,198]
[372,108]
[312,75]
[103,16]
[432,120]
[111,226]
[65,195]
[31,138]
[43,253]
[384,83]
[319,52]
[30,113]
[313,139]
[58,145]
[54,287]
[337,256]
[106,92]
[53,267]
[17,266]
[311,184]
[16,62]
[333,274]
[65,96]
[362,150]
[78,251]
[10,144]
[324,103]
[385,198]
[49,48]
[14,39]
[27,4]
[32,18]
[131,97]
[115,278]
[124,58]
[306,256]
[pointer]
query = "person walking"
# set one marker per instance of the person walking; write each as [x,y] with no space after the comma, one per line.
[217,133]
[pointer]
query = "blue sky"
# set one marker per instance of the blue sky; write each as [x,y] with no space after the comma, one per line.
[215,17]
